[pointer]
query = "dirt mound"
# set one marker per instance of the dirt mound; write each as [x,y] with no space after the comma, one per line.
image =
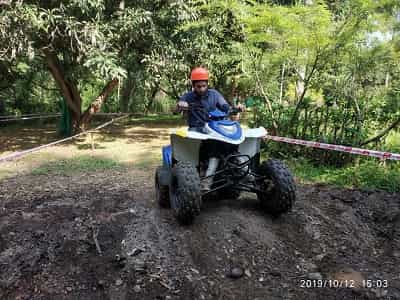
[101,236]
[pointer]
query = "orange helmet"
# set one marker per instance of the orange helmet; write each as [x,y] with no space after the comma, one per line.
[199,74]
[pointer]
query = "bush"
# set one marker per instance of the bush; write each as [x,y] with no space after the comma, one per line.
[393,142]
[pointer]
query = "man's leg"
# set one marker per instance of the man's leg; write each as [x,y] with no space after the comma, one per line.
[211,169]
[210,151]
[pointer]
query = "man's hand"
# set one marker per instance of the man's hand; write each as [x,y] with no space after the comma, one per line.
[182,105]
[237,110]
[240,107]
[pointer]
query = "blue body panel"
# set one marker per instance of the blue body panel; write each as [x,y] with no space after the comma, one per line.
[167,155]
[235,135]
[217,114]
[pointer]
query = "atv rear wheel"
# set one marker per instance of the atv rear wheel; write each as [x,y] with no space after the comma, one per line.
[162,191]
[185,192]
[279,187]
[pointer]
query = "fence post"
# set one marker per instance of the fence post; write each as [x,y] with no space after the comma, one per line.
[92,140]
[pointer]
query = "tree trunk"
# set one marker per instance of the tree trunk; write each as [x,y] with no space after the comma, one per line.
[97,103]
[359,120]
[233,94]
[305,123]
[282,81]
[300,85]
[71,94]
[267,102]
[387,80]
[151,100]
[68,88]
[2,107]
[260,87]
[301,88]
[326,121]
[126,94]
[344,124]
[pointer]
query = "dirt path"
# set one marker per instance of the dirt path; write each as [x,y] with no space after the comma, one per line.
[49,225]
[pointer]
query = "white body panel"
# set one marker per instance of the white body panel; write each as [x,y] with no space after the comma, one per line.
[186,144]
[185,149]
[250,146]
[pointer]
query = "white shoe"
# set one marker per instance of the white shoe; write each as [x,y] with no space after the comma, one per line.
[206,184]
[249,178]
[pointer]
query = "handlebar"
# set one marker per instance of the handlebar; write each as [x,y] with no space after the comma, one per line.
[235,110]
[232,110]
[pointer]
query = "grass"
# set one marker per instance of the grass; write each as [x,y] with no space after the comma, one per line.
[76,164]
[132,144]
[365,175]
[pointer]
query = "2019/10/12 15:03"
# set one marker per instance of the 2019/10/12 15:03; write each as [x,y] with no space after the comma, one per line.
[334,283]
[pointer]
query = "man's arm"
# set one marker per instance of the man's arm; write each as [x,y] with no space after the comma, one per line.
[222,104]
[182,103]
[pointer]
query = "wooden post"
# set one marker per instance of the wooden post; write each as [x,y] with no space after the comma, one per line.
[92,140]
[383,162]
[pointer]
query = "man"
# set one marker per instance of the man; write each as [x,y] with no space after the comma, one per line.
[199,102]
[203,99]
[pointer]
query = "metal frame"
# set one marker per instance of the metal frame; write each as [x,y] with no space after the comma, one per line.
[234,181]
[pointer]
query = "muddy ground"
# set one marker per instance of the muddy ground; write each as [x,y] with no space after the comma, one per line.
[50,225]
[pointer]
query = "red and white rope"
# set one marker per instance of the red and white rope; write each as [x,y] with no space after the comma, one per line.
[347,149]
[29,118]
[16,155]
[26,115]
[39,116]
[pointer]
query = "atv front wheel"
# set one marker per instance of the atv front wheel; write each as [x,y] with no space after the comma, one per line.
[185,192]
[278,186]
[162,192]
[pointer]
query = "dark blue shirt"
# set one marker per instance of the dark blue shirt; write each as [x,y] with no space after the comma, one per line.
[200,106]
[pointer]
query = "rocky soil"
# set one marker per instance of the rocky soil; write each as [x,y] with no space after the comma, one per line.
[101,236]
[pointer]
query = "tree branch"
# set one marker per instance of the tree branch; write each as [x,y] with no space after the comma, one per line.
[382,133]
[174,91]
[169,93]
[306,86]
[98,102]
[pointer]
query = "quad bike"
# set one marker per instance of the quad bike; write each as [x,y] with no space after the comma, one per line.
[178,181]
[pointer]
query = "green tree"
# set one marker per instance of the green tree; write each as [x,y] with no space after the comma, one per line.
[80,41]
